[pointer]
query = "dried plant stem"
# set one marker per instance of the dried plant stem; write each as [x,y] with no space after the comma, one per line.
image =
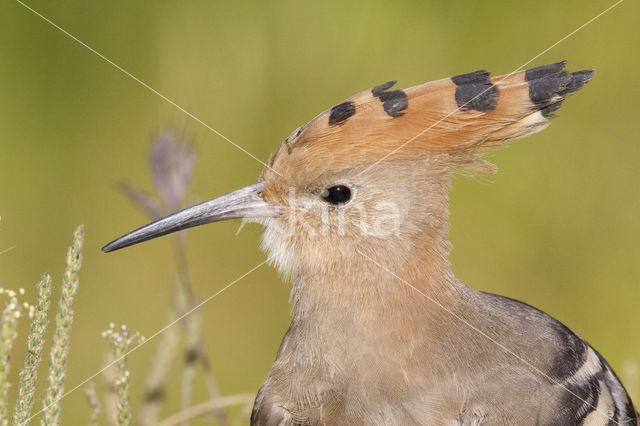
[120,343]
[120,382]
[210,381]
[195,348]
[171,164]
[10,317]
[110,397]
[35,343]
[191,341]
[158,373]
[60,345]
[94,404]
[207,407]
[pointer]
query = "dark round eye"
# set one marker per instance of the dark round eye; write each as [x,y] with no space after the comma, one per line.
[338,194]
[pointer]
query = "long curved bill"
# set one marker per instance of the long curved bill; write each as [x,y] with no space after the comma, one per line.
[243,203]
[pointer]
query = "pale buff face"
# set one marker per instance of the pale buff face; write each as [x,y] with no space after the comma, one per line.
[389,204]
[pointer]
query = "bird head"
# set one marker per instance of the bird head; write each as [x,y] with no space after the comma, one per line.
[371,173]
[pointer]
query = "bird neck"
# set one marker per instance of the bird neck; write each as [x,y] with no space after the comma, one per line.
[380,291]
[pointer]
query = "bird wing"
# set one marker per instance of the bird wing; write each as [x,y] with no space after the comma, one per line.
[579,385]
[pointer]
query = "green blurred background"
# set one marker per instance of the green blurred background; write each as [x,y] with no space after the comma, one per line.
[558,227]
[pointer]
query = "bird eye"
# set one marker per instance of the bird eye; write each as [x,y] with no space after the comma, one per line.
[338,194]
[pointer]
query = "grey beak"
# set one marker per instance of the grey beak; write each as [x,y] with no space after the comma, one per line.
[243,203]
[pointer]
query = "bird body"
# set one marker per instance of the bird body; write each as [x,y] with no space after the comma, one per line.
[355,209]
[470,372]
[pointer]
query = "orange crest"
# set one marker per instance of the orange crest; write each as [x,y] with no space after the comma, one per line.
[460,116]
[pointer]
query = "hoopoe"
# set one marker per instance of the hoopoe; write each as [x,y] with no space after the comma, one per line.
[355,210]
